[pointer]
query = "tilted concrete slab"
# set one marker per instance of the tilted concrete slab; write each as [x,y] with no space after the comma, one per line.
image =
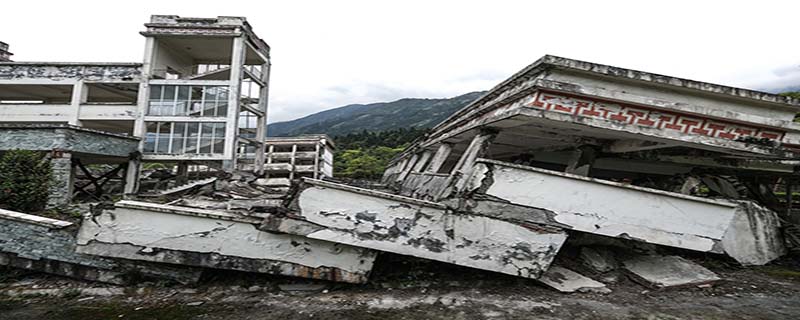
[568,281]
[745,231]
[47,245]
[216,239]
[391,223]
[668,271]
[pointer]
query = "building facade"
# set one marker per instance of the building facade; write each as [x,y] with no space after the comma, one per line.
[290,158]
[199,95]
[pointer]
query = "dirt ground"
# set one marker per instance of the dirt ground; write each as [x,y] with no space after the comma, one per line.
[403,288]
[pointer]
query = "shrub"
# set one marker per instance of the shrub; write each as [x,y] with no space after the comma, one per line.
[25,179]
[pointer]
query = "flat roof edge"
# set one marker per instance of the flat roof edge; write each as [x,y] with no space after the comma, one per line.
[52,63]
[612,71]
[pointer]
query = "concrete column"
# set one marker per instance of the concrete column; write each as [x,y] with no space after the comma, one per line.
[63,179]
[440,157]
[79,94]
[582,160]
[268,160]
[261,128]
[132,176]
[261,132]
[407,169]
[294,153]
[422,161]
[234,99]
[183,173]
[477,148]
[139,127]
[316,160]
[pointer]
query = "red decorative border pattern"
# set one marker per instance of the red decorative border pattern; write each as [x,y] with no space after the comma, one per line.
[687,124]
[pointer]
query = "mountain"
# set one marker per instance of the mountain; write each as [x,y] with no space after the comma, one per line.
[403,113]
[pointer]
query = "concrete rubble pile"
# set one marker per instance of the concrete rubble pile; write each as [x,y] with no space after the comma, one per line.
[567,161]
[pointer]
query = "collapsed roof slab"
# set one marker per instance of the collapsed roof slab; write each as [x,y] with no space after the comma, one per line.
[555,92]
[47,245]
[68,72]
[96,146]
[391,223]
[743,230]
[216,239]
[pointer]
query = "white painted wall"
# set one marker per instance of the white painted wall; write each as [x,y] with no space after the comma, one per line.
[616,210]
[189,232]
[403,227]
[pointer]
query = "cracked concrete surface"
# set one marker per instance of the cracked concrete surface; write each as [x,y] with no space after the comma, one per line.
[184,237]
[388,223]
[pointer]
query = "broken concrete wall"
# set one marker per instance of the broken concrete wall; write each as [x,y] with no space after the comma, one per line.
[72,71]
[216,239]
[745,232]
[754,236]
[407,226]
[425,186]
[47,245]
[46,137]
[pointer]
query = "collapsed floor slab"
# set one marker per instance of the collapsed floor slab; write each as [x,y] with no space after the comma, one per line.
[668,271]
[391,223]
[47,245]
[567,281]
[216,239]
[745,231]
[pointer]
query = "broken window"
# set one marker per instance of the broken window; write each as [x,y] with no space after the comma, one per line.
[183,100]
[185,137]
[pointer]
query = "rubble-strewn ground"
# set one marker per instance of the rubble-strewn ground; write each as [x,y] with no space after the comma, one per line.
[404,288]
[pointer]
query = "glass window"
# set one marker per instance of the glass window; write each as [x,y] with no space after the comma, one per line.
[193,133]
[185,137]
[222,102]
[219,138]
[163,139]
[182,102]
[155,92]
[150,137]
[178,137]
[196,102]
[206,134]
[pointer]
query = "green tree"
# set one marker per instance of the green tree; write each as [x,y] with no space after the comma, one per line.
[793,94]
[25,179]
[365,154]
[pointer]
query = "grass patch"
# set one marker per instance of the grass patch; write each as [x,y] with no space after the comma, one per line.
[781,272]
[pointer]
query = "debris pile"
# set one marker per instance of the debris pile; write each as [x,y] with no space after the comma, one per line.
[568,173]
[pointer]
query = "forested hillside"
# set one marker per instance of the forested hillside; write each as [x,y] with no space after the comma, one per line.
[375,117]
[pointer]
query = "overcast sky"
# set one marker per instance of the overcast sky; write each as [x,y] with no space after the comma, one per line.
[327,54]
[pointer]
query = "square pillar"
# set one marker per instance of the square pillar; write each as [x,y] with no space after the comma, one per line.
[63,179]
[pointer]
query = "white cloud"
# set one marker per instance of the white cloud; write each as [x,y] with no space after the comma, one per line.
[333,53]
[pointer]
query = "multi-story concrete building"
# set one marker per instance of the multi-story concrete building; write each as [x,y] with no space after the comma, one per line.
[289,158]
[199,95]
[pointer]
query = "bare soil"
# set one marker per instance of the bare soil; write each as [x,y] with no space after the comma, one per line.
[403,288]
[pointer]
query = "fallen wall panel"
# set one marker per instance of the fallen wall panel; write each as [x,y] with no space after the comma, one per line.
[391,223]
[48,245]
[624,211]
[216,239]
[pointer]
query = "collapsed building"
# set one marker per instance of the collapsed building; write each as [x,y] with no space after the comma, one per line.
[567,148]
[562,150]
